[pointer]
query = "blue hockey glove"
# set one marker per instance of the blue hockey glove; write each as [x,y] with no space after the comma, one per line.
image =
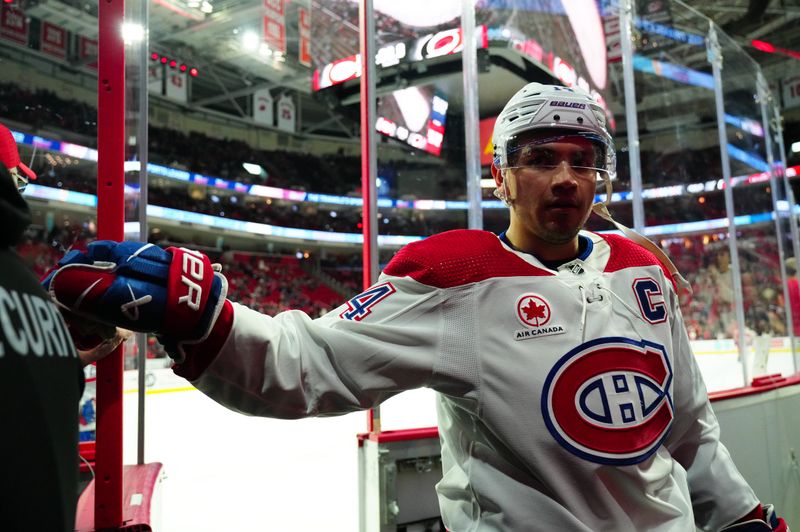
[175,293]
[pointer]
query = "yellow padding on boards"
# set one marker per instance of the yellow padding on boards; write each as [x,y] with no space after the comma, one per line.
[164,390]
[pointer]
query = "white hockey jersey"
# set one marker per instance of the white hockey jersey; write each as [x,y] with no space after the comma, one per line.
[569,399]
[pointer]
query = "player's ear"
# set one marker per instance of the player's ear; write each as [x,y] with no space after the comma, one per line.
[497,175]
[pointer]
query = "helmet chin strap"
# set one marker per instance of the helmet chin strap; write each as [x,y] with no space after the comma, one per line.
[601,209]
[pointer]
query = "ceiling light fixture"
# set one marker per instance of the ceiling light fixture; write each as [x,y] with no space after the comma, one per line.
[253,168]
[250,41]
[772,49]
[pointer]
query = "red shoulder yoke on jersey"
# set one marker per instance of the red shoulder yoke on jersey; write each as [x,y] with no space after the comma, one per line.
[459,257]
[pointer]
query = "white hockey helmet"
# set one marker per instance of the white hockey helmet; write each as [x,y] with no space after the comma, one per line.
[552,107]
[564,111]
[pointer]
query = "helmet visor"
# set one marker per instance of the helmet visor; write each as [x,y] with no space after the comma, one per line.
[585,153]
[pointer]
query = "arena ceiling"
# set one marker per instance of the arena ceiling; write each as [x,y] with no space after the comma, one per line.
[230,73]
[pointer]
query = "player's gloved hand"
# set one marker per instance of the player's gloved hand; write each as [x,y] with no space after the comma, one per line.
[176,293]
[767,523]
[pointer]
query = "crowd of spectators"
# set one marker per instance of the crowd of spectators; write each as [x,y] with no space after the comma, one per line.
[274,283]
[44,109]
[196,152]
[331,173]
[705,261]
[666,168]
[337,173]
[271,285]
[750,199]
[208,200]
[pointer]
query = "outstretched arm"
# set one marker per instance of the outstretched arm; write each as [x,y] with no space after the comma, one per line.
[379,343]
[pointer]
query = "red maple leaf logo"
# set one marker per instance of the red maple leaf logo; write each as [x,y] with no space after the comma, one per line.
[534,312]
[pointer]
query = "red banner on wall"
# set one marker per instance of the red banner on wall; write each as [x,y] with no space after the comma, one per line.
[304,31]
[13,25]
[87,52]
[53,40]
[486,129]
[274,25]
[274,6]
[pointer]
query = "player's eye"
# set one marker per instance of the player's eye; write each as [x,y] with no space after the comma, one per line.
[583,158]
[538,157]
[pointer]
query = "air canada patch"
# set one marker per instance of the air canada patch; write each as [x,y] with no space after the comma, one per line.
[609,400]
[534,312]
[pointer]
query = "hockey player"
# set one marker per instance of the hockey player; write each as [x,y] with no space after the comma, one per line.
[569,398]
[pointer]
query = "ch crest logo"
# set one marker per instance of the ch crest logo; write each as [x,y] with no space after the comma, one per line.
[533,310]
[609,400]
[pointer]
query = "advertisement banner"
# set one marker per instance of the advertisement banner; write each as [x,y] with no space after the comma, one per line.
[286,114]
[262,107]
[13,25]
[274,25]
[53,40]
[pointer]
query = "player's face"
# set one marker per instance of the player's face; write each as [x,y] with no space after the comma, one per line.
[553,186]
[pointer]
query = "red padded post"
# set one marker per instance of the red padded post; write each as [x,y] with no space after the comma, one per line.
[110,226]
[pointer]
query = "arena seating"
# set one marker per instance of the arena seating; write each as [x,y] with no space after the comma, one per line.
[274,283]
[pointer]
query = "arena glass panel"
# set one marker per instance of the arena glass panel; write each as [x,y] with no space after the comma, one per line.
[786,221]
[760,245]
[683,202]
[236,151]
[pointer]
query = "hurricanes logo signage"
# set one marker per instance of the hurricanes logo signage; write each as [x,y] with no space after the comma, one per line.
[609,400]
[533,311]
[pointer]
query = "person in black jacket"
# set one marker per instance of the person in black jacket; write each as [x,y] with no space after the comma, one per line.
[41,378]
[41,382]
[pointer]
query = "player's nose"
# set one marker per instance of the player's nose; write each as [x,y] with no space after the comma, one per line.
[564,176]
